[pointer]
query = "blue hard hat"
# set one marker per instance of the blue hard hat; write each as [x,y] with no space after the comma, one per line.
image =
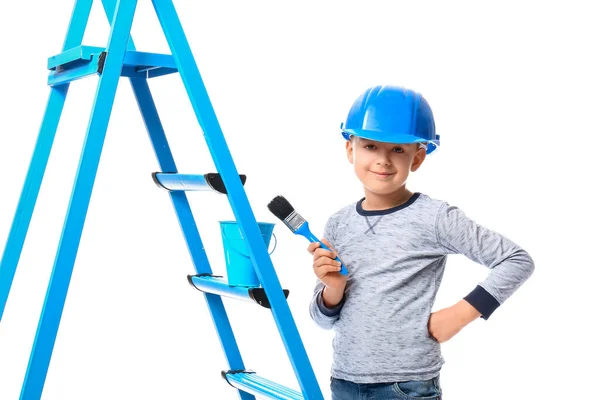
[392,114]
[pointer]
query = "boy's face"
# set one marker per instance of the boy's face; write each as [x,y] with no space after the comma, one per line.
[383,168]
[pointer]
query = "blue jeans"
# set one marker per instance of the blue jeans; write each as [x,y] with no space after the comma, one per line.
[411,390]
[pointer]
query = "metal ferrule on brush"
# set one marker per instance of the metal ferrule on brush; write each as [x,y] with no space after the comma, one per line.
[294,221]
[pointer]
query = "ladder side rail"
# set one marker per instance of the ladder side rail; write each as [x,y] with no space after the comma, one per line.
[188,226]
[183,210]
[217,145]
[39,160]
[56,294]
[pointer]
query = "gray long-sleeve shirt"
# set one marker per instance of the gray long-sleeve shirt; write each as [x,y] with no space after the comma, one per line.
[395,260]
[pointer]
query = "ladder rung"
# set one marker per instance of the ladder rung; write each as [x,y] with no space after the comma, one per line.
[82,61]
[187,182]
[251,383]
[217,285]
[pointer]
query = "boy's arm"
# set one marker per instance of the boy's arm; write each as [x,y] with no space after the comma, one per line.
[510,266]
[326,302]
[325,316]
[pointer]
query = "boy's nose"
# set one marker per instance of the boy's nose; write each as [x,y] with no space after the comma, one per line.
[383,161]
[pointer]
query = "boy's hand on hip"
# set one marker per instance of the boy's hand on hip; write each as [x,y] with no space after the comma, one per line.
[326,267]
[447,322]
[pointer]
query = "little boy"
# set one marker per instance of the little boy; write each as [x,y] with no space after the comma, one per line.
[394,244]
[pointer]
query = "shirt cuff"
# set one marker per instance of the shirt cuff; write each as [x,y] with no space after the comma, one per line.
[483,302]
[329,312]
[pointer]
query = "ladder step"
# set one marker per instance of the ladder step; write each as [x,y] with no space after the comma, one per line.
[187,182]
[82,61]
[217,285]
[251,383]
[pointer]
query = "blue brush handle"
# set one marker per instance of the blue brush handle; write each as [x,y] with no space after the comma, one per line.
[305,231]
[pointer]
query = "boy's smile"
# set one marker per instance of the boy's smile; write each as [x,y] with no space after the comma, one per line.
[383,169]
[382,175]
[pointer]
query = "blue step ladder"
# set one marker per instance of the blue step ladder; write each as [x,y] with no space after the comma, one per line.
[120,58]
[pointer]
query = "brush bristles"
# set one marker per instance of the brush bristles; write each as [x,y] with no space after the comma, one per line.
[283,210]
[280,207]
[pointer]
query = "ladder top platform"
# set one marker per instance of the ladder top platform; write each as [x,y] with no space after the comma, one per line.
[132,58]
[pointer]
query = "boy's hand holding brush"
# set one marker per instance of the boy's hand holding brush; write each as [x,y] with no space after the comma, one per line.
[326,268]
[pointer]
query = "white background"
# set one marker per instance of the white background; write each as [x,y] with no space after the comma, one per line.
[514,88]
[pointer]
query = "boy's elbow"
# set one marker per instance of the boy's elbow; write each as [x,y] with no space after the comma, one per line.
[527,264]
[531,266]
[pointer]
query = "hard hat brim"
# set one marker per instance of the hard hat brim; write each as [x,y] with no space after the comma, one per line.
[384,138]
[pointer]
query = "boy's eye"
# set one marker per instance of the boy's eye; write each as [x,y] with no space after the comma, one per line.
[370,147]
[398,150]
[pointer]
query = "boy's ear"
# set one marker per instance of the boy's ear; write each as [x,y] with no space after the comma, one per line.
[418,159]
[349,151]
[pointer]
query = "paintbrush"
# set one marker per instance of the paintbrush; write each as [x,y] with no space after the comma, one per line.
[298,225]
